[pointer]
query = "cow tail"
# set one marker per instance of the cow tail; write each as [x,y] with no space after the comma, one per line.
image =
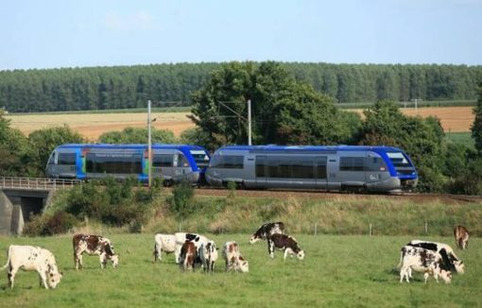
[8,259]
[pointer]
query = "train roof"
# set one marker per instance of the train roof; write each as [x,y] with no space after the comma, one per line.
[311,148]
[127,146]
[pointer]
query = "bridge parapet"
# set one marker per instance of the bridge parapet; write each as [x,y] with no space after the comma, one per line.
[36,183]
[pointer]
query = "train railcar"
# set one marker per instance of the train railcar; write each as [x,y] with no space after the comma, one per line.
[331,168]
[170,162]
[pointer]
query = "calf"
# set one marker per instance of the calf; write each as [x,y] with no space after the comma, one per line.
[232,257]
[163,242]
[208,254]
[32,258]
[267,230]
[461,235]
[286,243]
[182,237]
[188,256]
[422,260]
[93,245]
[449,259]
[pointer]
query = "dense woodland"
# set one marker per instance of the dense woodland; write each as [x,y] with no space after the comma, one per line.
[101,88]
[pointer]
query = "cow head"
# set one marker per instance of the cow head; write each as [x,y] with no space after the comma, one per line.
[459,266]
[115,260]
[254,238]
[243,264]
[446,276]
[53,276]
[300,255]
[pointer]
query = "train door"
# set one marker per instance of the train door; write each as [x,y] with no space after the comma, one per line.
[162,165]
[261,170]
[321,172]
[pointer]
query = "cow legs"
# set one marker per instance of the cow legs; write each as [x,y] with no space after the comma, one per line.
[43,278]
[11,276]
[271,248]
[103,260]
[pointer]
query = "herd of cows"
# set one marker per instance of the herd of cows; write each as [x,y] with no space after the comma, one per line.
[192,250]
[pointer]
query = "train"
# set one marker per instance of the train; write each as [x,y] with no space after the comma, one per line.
[171,163]
[329,168]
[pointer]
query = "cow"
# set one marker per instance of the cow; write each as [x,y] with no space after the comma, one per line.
[449,259]
[286,243]
[188,256]
[94,245]
[182,237]
[33,258]
[208,255]
[267,230]
[461,235]
[163,242]
[232,257]
[422,260]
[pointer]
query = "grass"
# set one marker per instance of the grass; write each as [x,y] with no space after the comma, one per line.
[461,138]
[339,271]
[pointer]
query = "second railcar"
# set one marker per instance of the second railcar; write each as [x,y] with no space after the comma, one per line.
[170,162]
[337,168]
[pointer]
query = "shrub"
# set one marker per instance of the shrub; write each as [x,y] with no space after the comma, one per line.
[47,225]
[182,195]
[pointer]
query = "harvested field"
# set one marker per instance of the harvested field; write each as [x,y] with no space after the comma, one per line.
[91,126]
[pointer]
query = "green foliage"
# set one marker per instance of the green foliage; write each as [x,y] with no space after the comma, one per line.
[181,200]
[477,125]
[137,135]
[15,151]
[284,111]
[50,224]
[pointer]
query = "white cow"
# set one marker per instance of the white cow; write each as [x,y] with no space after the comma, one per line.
[422,260]
[208,253]
[32,258]
[163,242]
[232,257]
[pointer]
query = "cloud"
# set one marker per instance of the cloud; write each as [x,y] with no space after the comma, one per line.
[140,20]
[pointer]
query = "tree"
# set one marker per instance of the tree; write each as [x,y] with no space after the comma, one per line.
[137,135]
[284,111]
[14,149]
[477,125]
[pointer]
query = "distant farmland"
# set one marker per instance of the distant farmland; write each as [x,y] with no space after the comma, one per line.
[91,126]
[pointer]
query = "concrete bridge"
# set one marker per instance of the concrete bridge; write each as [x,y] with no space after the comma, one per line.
[21,198]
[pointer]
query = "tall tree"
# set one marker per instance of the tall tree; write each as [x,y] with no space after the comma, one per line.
[477,125]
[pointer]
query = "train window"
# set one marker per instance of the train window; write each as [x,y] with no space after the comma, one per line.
[162,160]
[114,163]
[66,159]
[398,159]
[351,164]
[228,161]
[321,167]
[200,157]
[375,164]
[182,161]
[286,167]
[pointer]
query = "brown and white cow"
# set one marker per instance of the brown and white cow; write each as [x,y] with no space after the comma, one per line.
[182,237]
[188,256]
[233,258]
[163,242]
[461,235]
[208,255]
[449,259]
[267,230]
[32,258]
[286,243]
[422,260]
[94,245]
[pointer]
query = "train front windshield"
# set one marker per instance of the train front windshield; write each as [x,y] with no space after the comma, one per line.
[201,158]
[401,163]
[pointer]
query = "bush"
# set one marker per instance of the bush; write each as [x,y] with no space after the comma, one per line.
[47,225]
[182,195]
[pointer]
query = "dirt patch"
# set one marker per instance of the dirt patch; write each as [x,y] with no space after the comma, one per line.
[91,126]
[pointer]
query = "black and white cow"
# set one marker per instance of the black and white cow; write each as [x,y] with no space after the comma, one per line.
[422,260]
[208,254]
[163,242]
[93,245]
[32,258]
[267,230]
[286,243]
[181,237]
[449,259]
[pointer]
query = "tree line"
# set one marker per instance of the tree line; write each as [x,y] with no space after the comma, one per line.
[101,88]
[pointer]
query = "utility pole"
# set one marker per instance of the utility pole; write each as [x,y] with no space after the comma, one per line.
[249,122]
[149,144]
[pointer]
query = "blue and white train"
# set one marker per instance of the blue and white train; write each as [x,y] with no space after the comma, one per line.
[170,162]
[330,168]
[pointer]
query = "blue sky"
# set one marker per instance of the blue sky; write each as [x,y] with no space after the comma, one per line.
[38,34]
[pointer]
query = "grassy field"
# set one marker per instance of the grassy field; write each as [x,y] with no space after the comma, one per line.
[339,271]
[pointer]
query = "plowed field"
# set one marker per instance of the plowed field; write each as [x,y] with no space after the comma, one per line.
[91,126]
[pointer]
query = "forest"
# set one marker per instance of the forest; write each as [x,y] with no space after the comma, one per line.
[101,88]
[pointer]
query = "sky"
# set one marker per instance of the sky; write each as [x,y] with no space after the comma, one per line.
[43,34]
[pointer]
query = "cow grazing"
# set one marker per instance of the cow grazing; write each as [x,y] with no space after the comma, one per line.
[32,258]
[422,260]
[449,259]
[163,242]
[188,256]
[93,245]
[286,243]
[232,257]
[267,230]
[182,237]
[208,254]
[461,235]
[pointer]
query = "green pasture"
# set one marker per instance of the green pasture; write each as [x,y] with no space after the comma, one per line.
[338,271]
